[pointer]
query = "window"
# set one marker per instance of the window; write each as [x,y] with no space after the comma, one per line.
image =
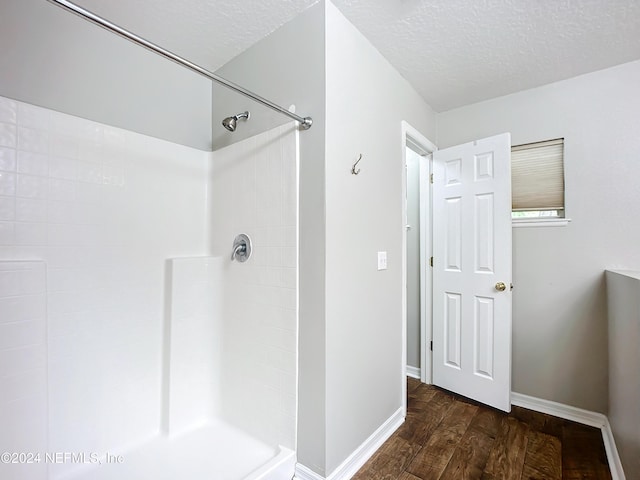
[537,180]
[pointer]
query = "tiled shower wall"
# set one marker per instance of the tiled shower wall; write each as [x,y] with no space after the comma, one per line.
[23,368]
[254,191]
[103,208]
[89,217]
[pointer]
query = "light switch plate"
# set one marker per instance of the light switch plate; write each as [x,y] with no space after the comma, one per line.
[382,260]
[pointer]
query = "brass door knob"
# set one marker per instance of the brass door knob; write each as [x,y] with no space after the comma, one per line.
[501,287]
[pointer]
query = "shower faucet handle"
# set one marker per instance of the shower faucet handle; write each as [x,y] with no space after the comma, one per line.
[239,251]
[241,248]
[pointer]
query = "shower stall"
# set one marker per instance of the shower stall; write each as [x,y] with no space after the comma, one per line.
[131,344]
[148,298]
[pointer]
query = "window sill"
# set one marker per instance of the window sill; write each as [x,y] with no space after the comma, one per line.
[540,222]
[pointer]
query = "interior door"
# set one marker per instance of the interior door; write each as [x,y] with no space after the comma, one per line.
[472,270]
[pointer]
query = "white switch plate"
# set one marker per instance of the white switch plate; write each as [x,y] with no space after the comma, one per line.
[382,260]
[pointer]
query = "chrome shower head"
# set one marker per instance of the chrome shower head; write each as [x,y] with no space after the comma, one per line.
[230,122]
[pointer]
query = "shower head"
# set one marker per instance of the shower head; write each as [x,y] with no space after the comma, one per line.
[230,122]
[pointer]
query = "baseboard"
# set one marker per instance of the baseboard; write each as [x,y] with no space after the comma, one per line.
[359,457]
[578,415]
[567,412]
[413,372]
[303,473]
[615,465]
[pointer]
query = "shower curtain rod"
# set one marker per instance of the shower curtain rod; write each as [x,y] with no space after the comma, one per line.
[305,122]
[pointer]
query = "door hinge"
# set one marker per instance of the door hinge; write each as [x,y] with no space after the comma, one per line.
[431,345]
[431,262]
[431,178]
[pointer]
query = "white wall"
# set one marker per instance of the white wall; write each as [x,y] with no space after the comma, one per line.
[623,298]
[559,304]
[350,347]
[254,191]
[413,258]
[54,59]
[366,101]
[103,208]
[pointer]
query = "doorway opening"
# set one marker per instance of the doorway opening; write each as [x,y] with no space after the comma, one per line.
[416,159]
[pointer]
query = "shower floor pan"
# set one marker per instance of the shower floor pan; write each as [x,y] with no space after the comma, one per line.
[215,451]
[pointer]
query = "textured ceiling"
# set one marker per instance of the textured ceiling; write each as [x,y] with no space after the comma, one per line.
[453,52]
[456,52]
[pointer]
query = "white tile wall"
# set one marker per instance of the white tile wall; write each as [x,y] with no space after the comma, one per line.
[23,365]
[256,183]
[103,208]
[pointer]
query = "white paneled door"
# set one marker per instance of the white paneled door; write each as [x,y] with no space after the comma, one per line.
[472,270]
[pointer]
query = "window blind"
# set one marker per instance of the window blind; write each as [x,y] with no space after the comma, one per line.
[537,176]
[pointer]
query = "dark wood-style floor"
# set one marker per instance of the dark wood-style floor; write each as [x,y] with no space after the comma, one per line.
[446,436]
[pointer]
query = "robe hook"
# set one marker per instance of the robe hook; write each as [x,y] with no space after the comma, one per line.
[353,169]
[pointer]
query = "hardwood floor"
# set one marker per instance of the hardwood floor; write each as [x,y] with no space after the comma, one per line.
[449,437]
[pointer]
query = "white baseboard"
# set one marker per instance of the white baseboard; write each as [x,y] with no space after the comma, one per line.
[615,465]
[578,415]
[567,412]
[303,473]
[359,457]
[413,372]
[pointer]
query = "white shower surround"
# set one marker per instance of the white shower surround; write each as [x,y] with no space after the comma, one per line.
[254,190]
[89,215]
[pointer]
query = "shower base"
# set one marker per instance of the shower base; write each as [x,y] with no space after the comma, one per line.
[215,451]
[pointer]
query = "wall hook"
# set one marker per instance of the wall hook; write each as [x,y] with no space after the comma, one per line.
[353,169]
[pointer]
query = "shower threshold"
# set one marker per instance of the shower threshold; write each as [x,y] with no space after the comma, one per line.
[214,451]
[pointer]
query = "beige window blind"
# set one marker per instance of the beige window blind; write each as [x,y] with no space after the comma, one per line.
[537,176]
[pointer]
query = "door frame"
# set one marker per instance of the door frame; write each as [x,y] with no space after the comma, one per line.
[413,138]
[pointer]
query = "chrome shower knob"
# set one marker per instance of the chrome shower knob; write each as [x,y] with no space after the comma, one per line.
[241,248]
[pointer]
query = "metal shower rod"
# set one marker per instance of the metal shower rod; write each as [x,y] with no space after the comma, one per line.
[305,122]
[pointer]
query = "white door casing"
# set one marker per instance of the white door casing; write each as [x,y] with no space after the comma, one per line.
[472,255]
[412,138]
